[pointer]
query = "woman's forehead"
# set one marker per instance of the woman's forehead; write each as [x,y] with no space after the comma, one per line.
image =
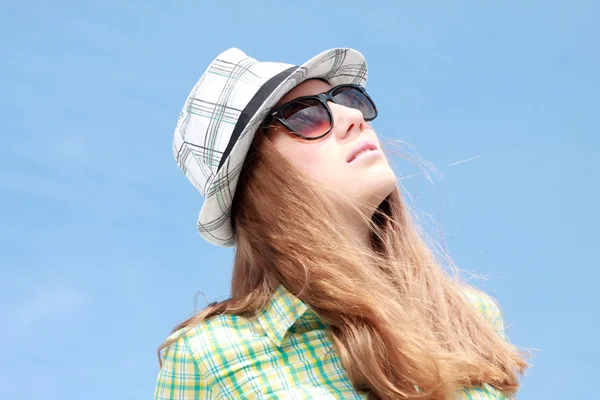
[306,88]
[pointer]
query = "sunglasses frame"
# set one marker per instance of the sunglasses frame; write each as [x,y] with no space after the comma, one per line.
[323,98]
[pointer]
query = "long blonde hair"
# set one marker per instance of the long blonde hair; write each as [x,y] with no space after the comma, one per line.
[399,322]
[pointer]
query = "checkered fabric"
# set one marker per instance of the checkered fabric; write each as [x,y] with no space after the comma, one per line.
[284,352]
[222,113]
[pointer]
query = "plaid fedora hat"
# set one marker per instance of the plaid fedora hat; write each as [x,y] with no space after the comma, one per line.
[222,113]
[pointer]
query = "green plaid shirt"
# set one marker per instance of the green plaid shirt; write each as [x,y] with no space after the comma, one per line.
[282,353]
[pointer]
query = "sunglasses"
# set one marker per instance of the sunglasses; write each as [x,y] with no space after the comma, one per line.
[310,118]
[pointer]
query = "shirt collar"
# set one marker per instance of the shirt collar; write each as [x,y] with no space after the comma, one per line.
[280,313]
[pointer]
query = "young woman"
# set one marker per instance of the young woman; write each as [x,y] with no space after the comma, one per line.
[334,294]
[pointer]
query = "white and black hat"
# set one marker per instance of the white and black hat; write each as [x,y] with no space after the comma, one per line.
[222,113]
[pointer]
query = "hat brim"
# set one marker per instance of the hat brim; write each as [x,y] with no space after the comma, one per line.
[336,66]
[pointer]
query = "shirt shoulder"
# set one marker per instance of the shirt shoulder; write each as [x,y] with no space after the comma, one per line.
[215,333]
[260,356]
[186,362]
[487,307]
[179,377]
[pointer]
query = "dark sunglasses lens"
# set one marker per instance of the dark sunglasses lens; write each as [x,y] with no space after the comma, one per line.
[308,117]
[354,98]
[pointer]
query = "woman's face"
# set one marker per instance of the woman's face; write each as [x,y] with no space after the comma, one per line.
[366,179]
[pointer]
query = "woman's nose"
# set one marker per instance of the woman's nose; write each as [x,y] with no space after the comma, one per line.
[346,120]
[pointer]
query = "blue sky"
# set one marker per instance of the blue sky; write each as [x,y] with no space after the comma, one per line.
[99,253]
